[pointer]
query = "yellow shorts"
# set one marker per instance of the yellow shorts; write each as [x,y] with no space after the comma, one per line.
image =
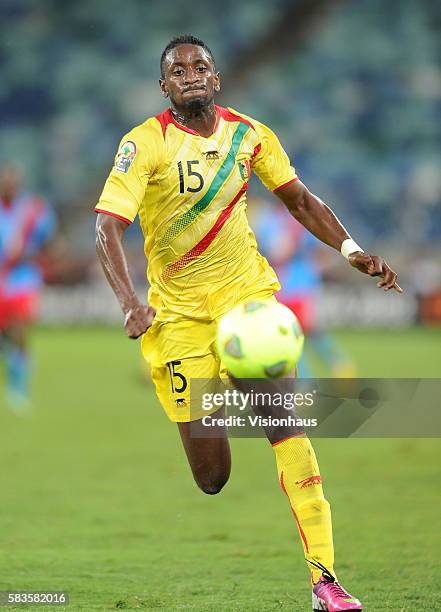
[178,352]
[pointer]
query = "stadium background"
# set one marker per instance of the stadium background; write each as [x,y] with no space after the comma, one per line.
[96,496]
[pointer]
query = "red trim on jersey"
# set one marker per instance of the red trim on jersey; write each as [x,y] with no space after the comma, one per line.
[256,150]
[184,128]
[112,214]
[205,242]
[218,116]
[166,117]
[230,116]
[285,184]
[302,533]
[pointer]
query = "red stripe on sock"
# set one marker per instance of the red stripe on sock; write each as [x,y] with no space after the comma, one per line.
[302,533]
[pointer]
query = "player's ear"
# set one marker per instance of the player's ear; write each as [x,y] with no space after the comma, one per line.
[163,87]
[217,83]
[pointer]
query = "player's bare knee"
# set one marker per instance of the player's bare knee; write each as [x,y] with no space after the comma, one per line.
[212,487]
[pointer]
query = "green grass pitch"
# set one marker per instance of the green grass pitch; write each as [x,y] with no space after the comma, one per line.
[97,498]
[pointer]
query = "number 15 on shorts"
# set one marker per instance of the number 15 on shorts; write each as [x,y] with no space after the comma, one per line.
[177,379]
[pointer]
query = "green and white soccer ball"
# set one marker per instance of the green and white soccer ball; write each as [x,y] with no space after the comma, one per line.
[259,339]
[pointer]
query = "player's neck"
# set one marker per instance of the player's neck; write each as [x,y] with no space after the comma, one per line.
[203,121]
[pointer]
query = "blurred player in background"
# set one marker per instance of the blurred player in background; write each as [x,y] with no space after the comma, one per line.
[186,173]
[295,255]
[26,225]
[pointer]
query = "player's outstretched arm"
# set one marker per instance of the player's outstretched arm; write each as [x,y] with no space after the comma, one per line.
[319,219]
[109,235]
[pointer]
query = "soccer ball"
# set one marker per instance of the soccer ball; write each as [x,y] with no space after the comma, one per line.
[259,339]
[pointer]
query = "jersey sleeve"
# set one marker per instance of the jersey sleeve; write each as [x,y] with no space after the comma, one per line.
[136,160]
[271,163]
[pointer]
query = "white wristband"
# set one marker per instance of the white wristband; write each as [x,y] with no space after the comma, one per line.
[349,246]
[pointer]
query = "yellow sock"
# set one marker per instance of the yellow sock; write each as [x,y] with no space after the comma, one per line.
[300,479]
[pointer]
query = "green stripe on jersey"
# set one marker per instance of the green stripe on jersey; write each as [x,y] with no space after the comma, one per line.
[221,176]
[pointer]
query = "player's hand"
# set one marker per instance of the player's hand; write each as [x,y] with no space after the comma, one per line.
[138,320]
[375,266]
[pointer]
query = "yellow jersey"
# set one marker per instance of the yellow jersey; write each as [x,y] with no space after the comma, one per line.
[190,194]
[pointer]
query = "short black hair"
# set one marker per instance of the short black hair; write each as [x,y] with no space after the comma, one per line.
[184,39]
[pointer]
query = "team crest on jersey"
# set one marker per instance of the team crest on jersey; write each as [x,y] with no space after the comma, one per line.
[210,155]
[125,156]
[245,170]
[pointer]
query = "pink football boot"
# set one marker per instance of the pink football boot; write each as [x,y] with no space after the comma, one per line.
[330,596]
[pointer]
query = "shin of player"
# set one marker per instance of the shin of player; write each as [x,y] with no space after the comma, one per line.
[300,479]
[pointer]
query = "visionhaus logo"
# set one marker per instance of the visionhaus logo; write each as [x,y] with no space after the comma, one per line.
[255,422]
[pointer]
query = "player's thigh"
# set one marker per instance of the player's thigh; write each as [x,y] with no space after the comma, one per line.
[208,453]
[206,445]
